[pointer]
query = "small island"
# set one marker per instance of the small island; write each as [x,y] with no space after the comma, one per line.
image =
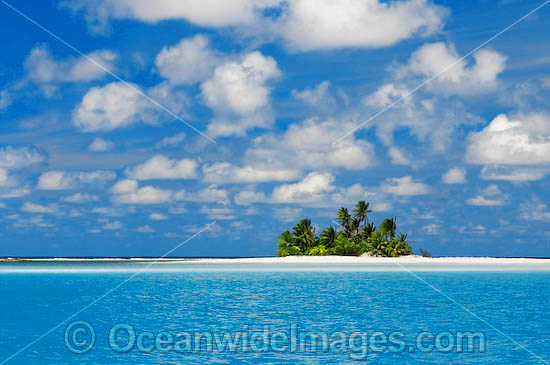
[355,236]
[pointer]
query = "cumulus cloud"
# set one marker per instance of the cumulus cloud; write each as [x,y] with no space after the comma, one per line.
[225,172]
[208,13]
[171,141]
[62,180]
[81,198]
[249,197]
[309,145]
[218,213]
[112,226]
[398,157]
[325,24]
[318,96]
[100,145]
[287,214]
[42,68]
[124,186]
[161,167]
[535,210]
[460,79]
[491,196]
[513,173]
[239,95]
[311,189]
[145,229]
[157,217]
[524,140]
[405,186]
[6,180]
[115,105]
[145,195]
[190,61]
[455,175]
[210,194]
[5,99]
[13,193]
[29,207]
[16,158]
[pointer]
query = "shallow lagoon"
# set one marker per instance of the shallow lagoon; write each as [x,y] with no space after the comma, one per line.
[510,309]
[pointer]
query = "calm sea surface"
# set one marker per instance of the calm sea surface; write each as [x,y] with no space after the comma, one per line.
[212,314]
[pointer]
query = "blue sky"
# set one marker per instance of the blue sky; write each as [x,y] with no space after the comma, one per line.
[279,92]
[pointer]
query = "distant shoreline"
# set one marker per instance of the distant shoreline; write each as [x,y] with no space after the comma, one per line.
[302,259]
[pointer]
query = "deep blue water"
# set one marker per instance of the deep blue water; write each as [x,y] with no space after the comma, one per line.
[510,309]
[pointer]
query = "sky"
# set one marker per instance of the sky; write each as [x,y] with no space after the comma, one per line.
[128,127]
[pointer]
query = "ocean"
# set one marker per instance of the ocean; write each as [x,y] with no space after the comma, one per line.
[71,313]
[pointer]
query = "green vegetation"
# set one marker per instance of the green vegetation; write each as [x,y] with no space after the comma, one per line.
[355,237]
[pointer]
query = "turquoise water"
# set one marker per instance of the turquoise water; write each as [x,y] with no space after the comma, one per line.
[365,316]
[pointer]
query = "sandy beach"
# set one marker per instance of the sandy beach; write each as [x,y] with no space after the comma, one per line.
[290,263]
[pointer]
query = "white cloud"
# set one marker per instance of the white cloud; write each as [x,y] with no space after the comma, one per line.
[311,189]
[491,196]
[16,158]
[239,95]
[318,96]
[160,167]
[224,172]
[218,213]
[455,175]
[112,226]
[145,195]
[145,229]
[124,187]
[42,68]
[114,211]
[484,202]
[178,210]
[171,141]
[210,194]
[12,193]
[431,228]
[461,79]
[505,141]
[287,214]
[157,217]
[404,186]
[308,145]
[188,62]
[5,99]
[81,198]
[250,197]
[100,145]
[535,210]
[207,13]
[115,105]
[513,173]
[6,180]
[29,207]
[325,24]
[62,180]
[398,156]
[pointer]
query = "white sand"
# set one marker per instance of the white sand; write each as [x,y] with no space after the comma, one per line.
[292,263]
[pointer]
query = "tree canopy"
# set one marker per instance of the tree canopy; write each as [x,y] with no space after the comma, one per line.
[355,236]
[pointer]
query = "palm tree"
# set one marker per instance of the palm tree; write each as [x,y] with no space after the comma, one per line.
[328,236]
[344,218]
[304,234]
[388,227]
[361,210]
[286,239]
